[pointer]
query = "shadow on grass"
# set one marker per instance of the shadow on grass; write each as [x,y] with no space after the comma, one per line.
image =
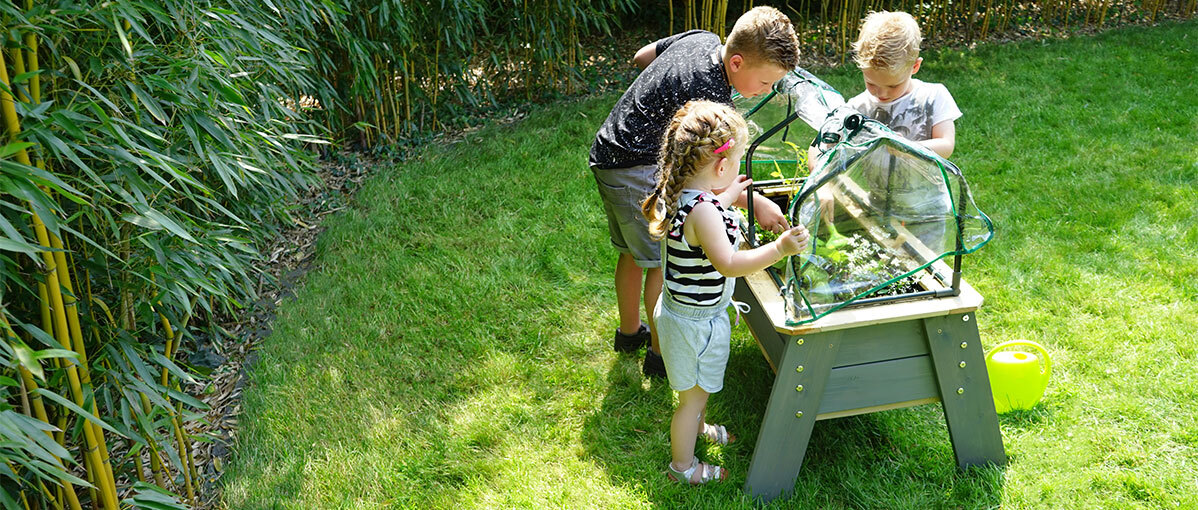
[895,459]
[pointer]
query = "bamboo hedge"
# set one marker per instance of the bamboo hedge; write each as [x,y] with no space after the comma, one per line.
[149,146]
[396,67]
[828,28]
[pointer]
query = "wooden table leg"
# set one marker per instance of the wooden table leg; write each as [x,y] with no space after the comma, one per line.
[790,414]
[965,389]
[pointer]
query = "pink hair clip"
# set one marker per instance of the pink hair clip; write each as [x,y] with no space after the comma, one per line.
[727,145]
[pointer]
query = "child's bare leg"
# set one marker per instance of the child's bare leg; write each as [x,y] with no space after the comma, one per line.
[628,294]
[653,283]
[684,429]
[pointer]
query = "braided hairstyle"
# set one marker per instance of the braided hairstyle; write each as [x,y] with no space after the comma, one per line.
[695,132]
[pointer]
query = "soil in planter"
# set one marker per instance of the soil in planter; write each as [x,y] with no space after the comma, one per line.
[837,275]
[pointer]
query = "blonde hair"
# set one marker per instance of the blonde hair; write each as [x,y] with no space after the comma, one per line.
[764,35]
[889,41]
[688,146]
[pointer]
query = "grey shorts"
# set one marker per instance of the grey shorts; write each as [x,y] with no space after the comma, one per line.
[695,343]
[623,190]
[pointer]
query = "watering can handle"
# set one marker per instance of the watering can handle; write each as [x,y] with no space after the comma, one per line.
[1012,343]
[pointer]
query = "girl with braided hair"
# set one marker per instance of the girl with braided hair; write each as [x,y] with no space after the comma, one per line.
[698,180]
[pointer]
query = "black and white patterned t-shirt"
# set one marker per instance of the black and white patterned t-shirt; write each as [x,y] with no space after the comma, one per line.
[687,67]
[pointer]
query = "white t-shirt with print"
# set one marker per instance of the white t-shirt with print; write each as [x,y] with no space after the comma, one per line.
[913,115]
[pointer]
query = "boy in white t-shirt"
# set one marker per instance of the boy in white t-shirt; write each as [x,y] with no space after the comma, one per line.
[887,51]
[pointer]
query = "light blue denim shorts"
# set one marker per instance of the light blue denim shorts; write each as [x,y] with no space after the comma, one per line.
[695,341]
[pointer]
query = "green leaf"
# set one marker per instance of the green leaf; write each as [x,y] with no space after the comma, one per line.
[9,503]
[27,358]
[13,148]
[149,102]
[76,409]
[74,67]
[170,224]
[120,32]
[55,353]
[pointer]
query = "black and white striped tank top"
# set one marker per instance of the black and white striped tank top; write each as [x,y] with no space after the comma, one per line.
[690,277]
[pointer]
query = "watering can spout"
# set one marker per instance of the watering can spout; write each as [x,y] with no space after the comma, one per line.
[1017,378]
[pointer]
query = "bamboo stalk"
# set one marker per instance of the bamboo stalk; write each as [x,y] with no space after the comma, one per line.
[986,19]
[108,489]
[184,446]
[157,467]
[436,75]
[39,412]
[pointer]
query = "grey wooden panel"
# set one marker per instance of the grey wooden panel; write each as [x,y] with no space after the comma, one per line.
[879,383]
[882,342]
[965,386]
[759,323]
[790,415]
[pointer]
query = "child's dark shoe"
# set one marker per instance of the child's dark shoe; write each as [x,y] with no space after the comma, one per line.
[630,343]
[654,366]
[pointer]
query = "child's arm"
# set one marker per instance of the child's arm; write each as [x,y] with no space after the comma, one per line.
[645,55]
[769,215]
[705,225]
[943,140]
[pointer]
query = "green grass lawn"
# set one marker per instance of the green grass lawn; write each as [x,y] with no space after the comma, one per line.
[452,350]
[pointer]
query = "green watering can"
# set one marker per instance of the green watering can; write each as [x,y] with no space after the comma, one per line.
[1016,378]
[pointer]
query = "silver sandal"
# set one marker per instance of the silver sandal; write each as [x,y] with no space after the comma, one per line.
[719,434]
[705,476]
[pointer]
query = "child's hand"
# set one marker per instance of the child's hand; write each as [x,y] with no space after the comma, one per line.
[793,241]
[736,188]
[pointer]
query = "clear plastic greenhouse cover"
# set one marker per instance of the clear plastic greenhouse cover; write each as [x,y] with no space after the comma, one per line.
[880,209]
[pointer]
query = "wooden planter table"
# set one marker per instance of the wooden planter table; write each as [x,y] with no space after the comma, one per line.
[863,360]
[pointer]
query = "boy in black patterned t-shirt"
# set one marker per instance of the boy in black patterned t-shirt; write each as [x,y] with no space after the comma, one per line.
[692,65]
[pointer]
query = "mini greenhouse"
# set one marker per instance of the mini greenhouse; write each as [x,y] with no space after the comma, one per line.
[882,211]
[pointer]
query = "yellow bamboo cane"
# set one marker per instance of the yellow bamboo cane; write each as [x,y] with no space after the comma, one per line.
[108,489]
[156,465]
[39,412]
[184,446]
[64,272]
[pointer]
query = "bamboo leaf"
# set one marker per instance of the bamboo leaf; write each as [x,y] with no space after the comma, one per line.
[13,148]
[27,359]
[149,102]
[170,224]
[76,409]
[124,38]
[9,503]
[57,473]
[32,433]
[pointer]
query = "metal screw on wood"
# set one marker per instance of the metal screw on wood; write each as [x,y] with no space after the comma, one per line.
[960,391]
[962,364]
[799,414]
[799,388]
[964,344]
